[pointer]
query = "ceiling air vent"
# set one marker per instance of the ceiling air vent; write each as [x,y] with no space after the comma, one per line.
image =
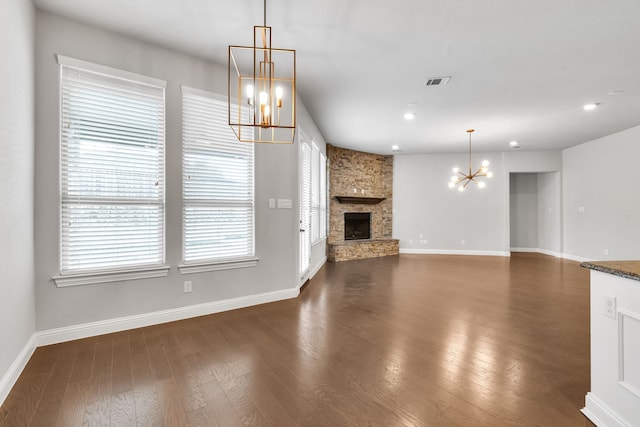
[437,81]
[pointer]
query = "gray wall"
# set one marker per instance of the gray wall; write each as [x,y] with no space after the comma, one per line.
[550,212]
[17,316]
[523,201]
[423,204]
[535,211]
[602,177]
[276,177]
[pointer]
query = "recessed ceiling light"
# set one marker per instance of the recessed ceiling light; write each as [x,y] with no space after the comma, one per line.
[615,92]
[513,143]
[395,147]
[409,116]
[590,107]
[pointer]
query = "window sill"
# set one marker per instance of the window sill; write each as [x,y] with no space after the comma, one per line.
[320,240]
[110,276]
[217,265]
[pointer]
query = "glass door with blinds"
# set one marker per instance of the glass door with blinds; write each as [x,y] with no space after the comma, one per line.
[305,207]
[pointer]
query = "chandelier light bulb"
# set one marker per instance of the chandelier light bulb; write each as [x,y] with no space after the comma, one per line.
[452,184]
[481,184]
[267,111]
[264,98]
[250,91]
[484,170]
[456,170]
[279,92]
[461,189]
[485,163]
[489,174]
[454,178]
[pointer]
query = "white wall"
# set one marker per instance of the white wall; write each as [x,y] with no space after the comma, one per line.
[423,204]
[536,212]
[550,213]
[523,212]
[17,317]
[276,177]
[602,177]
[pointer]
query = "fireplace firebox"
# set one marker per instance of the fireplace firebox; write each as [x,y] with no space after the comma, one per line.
[357,225]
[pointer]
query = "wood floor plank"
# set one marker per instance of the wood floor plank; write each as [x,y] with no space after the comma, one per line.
[123,409]
[121,380]
[20,405]
[410,340]
[173,411]
[157,358]
[98,409]
[74,405]
[84,361]
[52,397]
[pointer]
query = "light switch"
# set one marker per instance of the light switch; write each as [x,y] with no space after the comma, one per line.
[272,203]
[285,204]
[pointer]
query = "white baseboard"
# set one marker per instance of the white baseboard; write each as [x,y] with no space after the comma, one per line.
[311,273]
[576,258]
[74,332]
[317,268]
[452,252]
[512,249]
[601,414]
[9,379]
[539,251]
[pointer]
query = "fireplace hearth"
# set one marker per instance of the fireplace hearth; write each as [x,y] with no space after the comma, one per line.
[357,225]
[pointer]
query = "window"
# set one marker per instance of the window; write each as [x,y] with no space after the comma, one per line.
[318,194]
[315,193]
[317,189]
[112,205]
[218,185]
[323,196]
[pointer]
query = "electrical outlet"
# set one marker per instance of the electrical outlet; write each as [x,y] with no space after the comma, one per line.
[424,242]
[606,251]
[610,306]
[188,286]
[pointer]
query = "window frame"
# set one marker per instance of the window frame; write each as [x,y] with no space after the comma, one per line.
[213,263]
[318,188]
[84,276]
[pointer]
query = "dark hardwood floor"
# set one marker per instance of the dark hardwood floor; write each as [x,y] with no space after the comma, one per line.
[414,340]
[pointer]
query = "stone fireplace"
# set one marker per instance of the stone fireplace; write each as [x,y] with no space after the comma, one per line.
[360,205]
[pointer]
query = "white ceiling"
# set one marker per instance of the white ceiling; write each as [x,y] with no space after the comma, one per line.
[521,69]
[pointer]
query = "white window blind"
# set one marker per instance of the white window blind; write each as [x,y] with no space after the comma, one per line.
[315,192]
[218,184]
[323,196]
[112,169]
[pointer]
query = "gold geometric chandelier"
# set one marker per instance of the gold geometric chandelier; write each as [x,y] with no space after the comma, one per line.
[462,179]
[262,90]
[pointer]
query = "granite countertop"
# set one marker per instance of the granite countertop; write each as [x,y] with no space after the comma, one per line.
[628,269]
